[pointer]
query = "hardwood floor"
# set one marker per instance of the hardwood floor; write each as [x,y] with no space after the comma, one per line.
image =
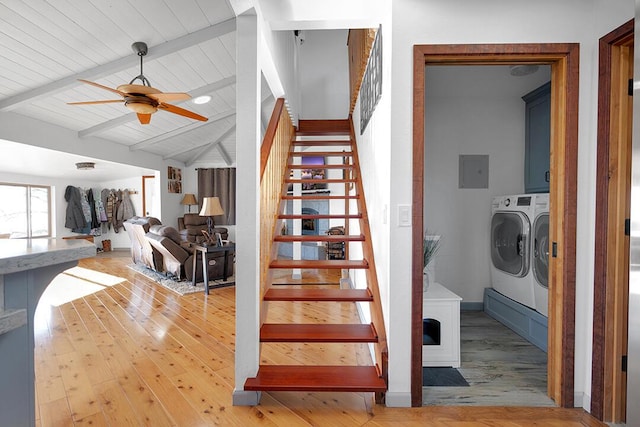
[132,353]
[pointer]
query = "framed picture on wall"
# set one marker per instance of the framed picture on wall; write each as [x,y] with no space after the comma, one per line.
[174,179]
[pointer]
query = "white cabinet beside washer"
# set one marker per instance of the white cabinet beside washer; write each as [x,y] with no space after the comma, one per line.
[441,310]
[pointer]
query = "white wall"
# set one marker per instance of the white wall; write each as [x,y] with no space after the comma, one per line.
[323,77]
[471,110]
[374,151]
[468,21]
[327,14]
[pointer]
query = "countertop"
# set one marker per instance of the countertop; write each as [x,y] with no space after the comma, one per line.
[26,254]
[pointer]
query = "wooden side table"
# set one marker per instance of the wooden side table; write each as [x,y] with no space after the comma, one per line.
[205,270]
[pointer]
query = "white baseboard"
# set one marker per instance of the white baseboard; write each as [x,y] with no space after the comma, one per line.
[397,400]
[246,398]
[582,400]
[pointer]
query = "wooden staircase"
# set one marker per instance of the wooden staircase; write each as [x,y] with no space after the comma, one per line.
[334,141]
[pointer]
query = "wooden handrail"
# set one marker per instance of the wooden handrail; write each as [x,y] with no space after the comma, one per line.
[270,135]
[273,159]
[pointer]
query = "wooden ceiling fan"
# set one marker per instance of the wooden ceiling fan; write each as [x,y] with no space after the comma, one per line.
[143,99]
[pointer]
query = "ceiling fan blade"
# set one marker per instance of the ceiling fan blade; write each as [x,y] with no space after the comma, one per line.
[169,97]
[145,119]
[106,101]
[181,111]
[103,87]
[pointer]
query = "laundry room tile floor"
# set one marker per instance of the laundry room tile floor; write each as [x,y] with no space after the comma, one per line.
[501,368]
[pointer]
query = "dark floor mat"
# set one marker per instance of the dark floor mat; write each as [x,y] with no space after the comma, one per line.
[443,377]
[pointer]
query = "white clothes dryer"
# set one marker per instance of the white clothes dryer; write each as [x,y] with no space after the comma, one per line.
[540,253]
[511,275]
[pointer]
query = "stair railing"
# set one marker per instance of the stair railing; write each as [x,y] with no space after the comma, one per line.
[274,153]
[377,316]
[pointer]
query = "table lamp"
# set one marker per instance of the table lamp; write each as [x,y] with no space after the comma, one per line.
[189,199]
[210,208]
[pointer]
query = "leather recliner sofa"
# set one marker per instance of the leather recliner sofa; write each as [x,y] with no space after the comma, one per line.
[177,260]
[141,250]
[191,226]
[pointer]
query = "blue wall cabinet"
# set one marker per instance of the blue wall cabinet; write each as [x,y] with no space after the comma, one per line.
[537,139]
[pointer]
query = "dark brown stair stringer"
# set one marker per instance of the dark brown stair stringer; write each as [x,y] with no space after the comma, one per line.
[310,377]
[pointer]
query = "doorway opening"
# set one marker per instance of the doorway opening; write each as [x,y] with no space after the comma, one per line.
[563,60]
[613,201]
[149,195]
[474,110]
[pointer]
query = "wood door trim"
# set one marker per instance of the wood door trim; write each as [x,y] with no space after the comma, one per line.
[144,193]
[601,401]
[564,61]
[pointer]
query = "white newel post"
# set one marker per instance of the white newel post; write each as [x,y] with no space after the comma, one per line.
[248,101]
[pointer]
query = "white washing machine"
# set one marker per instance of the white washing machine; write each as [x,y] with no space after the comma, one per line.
[540,253]
[511,219]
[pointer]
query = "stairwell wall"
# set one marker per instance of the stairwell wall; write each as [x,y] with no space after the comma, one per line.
[374,151]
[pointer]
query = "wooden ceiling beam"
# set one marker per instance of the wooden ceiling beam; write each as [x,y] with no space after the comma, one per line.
[112,67]
[209,146]
[182,130]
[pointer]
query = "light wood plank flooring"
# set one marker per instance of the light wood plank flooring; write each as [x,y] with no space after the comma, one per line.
[136,354]
[501,367]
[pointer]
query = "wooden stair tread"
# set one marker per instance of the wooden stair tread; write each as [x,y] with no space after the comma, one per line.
[319,238]
[321,153]
[316,196]
[324,264]
[319,143]
[317,332]
[335,295]
[319,216]
[316,378]
[323,127]
[318,181]
[336,166]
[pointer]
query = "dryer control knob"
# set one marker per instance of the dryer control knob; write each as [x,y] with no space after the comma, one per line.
[507,202]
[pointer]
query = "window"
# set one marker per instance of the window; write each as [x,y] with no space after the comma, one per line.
[25,211]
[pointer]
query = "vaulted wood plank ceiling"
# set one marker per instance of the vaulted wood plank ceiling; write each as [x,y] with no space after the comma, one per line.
[46,45]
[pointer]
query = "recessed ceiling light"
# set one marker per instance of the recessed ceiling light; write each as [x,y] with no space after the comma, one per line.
[202,99]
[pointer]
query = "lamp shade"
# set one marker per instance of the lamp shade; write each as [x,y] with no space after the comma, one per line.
[189,199]
[211,207]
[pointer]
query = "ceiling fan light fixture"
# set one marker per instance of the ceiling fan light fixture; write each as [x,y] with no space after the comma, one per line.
[202,99]
[141,107]
[85,165]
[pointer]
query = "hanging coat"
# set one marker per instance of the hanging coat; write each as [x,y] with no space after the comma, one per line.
[117,220]
[92,205]
[74,217]
[126,209]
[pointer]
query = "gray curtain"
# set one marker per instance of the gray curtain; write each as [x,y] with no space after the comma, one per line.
[221,183]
